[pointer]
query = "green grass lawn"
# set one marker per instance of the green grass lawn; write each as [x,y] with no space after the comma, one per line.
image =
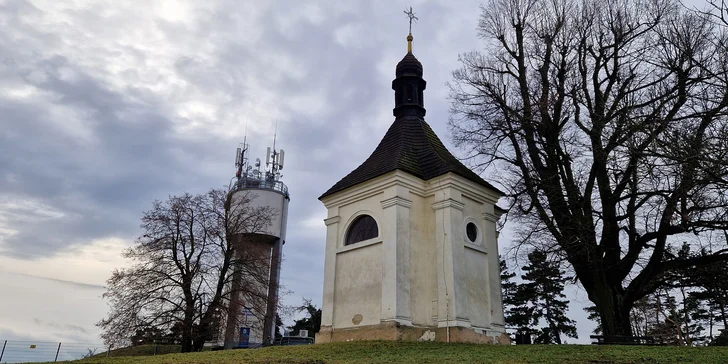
[408,352]
[142,350]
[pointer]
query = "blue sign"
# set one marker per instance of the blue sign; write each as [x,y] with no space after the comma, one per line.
[244,337]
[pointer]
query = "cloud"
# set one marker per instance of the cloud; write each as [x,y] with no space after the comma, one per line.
[64,327]
[84,266]
[76,285]
[43,309]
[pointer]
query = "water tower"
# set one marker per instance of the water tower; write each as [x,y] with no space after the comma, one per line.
[251,316]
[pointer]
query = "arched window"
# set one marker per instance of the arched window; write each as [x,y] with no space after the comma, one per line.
[363,228]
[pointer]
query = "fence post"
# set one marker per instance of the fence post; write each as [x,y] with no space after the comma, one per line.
[58,351]
[3,352]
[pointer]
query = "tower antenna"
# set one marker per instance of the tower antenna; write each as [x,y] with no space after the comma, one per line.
[241,161]
[274,159]
[275,134]
[245,146]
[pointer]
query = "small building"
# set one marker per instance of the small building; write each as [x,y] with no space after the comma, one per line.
[411,242]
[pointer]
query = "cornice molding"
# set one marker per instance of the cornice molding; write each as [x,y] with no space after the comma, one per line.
[473,190]
[396,201]
[415,185]
[332,220]
[490,217]
[448,203]
[374,187]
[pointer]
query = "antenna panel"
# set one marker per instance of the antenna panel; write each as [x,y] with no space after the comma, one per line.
[280,159]
[237,158]
[267,156]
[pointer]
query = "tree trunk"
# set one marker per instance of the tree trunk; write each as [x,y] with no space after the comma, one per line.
[686,319]
[207,325]
[722,313]
[552,325]
[186,341]
[615,321]
[613,311]
[199,337]
[188,321]
[198,344]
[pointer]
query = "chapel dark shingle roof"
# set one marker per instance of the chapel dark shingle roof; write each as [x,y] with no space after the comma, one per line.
[412,146]
[409,65]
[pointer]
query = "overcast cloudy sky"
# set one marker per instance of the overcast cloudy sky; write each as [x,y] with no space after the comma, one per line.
[108,105]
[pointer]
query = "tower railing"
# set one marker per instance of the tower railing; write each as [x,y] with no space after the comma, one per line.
[263,184]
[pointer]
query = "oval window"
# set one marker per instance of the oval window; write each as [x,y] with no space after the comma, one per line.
[363,228]
[471,231]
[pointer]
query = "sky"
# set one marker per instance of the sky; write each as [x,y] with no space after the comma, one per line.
[106,106]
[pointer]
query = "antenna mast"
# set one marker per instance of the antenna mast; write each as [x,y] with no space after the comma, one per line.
[274,159]
[275,135]
[241,158]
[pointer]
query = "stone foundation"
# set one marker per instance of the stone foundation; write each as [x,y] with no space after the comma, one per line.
[394,331]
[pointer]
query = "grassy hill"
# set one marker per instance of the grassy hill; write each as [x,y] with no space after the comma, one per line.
[407,352]
[142,350]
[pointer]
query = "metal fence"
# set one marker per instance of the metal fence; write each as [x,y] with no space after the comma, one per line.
[36,351]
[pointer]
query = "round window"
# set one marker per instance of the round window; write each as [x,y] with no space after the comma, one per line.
[472,231]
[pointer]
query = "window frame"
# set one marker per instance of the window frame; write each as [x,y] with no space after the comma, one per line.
[478,228]
[352,224]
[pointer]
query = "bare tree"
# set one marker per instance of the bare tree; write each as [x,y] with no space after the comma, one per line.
[182,267]
[605,122]
[717,10]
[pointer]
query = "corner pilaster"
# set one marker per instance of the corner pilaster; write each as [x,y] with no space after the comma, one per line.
[451,287]
[332,238]
[396,259]
[494,281]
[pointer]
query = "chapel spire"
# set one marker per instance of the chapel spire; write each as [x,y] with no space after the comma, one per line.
[410,145]
[409,85]
[411,15]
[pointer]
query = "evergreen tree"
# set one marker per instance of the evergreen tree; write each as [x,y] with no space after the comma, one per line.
[507,286]
[711,287]
[720,340]
[279,324]
[703,292]
[312,321]
[147,335]
[667,323]
[513,300]
[593,314]
[694,315]
[543,289]
[515,304]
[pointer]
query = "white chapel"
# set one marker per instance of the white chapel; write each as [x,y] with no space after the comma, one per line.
[411,242]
